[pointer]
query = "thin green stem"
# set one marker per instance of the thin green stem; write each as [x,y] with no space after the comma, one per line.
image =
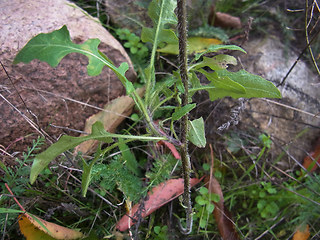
[150,76]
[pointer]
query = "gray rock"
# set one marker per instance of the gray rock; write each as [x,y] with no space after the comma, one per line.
[297,112]
[45,90]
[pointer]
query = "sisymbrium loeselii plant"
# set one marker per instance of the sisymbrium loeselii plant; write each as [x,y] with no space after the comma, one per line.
[184,82]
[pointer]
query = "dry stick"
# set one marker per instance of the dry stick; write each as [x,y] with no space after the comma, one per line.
[182,31]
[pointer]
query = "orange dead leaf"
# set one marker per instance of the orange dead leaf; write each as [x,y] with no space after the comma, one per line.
[115,112]
[302,235]
[32,229]
[157,197]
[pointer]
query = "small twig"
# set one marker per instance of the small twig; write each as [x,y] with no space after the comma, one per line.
[292,108]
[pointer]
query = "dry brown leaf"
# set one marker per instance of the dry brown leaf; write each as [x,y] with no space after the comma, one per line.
[223,20]
[223,217]
[115,112]
[32,229]
[302,235]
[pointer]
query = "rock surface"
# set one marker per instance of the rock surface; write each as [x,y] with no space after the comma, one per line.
[44,90]
[300,107]
[293,122]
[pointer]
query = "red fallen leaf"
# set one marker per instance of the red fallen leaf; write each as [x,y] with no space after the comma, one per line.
[157,197]
[310,164]
[171,147]
[222,215]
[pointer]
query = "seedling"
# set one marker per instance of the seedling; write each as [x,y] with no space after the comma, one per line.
[180,87]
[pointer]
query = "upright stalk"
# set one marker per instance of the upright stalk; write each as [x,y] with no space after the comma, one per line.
[182,31]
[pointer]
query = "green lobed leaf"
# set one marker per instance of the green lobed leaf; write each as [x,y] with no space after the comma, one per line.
[223,85]
[53,47]
[65,143]
[201,201]
[210,207]
[255,86]
[180,112]
[216,48]
[196,133]
[203,190]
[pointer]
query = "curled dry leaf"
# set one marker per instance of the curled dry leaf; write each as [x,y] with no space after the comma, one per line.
[36,228]
[157,197]
[114,113]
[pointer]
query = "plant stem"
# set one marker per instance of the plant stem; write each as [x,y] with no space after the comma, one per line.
[182,31]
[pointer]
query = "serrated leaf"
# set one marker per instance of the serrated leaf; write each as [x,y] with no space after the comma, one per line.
[196,133]
[65,143]
[53,47]
[180,112]
[195,45]
[255,86]
[216,48]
